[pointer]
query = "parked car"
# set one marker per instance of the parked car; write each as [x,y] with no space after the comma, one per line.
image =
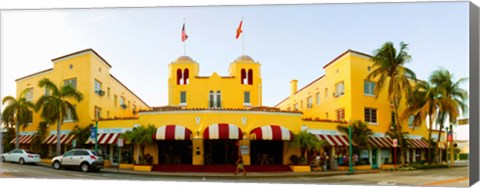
[21,156]
[85,159]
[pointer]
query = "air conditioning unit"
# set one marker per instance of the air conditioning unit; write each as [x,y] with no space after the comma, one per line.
[100,92]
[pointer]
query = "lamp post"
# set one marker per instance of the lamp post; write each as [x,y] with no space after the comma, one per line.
[350,146]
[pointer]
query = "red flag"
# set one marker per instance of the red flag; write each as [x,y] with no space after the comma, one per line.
[184,34]
[239,29]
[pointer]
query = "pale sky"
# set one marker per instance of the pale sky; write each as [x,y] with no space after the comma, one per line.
[290,41]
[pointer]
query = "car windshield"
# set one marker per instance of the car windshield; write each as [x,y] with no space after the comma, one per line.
[94,153]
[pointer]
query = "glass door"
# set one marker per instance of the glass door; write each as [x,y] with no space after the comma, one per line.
[374,159]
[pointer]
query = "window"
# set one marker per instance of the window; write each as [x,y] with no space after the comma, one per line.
[115,98]
[183,97]
[250,77]
[368,87]
[122,103]
[317,98]
[80,153]
[179,77]
[410,121]
[370,115]
[339,89]
[29,94]
[295,106]
[30,117]
[98,112]
[341,114]
[243,75]
[309,102]
[246,98]
[72,82]
[211,101]
[46,92]
[98,88]
[185,76]
[326,92]
[69,115]
[219,99]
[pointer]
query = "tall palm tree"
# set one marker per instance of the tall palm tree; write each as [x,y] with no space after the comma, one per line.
[81,134]
[307,142]
[54,107]
[360,134]
[141,135]
[451,98]
[18,111]
[389,70]
[423,105]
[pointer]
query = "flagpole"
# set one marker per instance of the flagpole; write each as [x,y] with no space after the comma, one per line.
[184,42]
[243,40]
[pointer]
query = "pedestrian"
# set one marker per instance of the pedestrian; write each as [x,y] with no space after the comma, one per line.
[240,165]
[325,160]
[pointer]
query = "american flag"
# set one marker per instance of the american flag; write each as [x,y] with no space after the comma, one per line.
[184,34]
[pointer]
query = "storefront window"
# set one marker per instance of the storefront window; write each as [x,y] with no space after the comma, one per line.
[363,160]
[385,156]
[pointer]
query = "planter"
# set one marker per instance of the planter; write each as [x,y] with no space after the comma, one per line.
[300,168]
[48,161]
[125,166]
[107,163]
[143,168]
[359,167]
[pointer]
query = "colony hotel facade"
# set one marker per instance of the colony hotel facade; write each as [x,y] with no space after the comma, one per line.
[209,120]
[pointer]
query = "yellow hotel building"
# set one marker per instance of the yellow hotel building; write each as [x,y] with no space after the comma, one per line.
[210,119]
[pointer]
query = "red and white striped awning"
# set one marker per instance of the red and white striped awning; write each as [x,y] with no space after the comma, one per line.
[334,140]
[23,139]
[380,142]
[271,132]
[222,131]
[104,138]
[64,139]
[416,143]
[173,132]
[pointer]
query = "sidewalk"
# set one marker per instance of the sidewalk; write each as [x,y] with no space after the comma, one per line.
[225,174]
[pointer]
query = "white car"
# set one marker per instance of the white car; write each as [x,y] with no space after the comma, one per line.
[86,159]
[21,156]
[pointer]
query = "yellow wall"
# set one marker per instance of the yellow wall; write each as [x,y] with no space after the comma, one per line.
[199,87]
[352,69]
[86,67]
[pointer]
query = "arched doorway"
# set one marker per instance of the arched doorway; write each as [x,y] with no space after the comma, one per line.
[267,144]
[221,143]
[174,144]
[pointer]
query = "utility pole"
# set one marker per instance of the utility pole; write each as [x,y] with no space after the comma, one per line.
[351,150]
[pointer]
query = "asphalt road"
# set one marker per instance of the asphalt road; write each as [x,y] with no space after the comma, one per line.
[438,177]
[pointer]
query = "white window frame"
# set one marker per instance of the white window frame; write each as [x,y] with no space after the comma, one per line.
[370,114]
[339,89]
[183,103]
[72,81]
[245,102]
[317,98]
[69,116]
[309,102]
[368,86]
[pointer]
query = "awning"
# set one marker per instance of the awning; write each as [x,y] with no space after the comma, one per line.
[222,131]
[104,138]
[271,132]
[23,139]
[416,143]
[64,139]
[334,140]
[173,132]
[380,142]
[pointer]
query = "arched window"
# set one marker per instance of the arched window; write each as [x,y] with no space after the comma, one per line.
[219,99]
[185,77]
[250,75]
[179,76]
[243,75]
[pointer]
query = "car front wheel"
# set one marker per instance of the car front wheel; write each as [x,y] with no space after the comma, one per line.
[85,167]
[56,165]
[21,161]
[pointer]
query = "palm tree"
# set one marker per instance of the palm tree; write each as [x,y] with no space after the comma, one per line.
[19,111]
[423,104]
[307,142]
[55,106]
[81,134]
[38,138]
[451,98]
[392,133]
[141,135]
[360,134]
[389,70]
